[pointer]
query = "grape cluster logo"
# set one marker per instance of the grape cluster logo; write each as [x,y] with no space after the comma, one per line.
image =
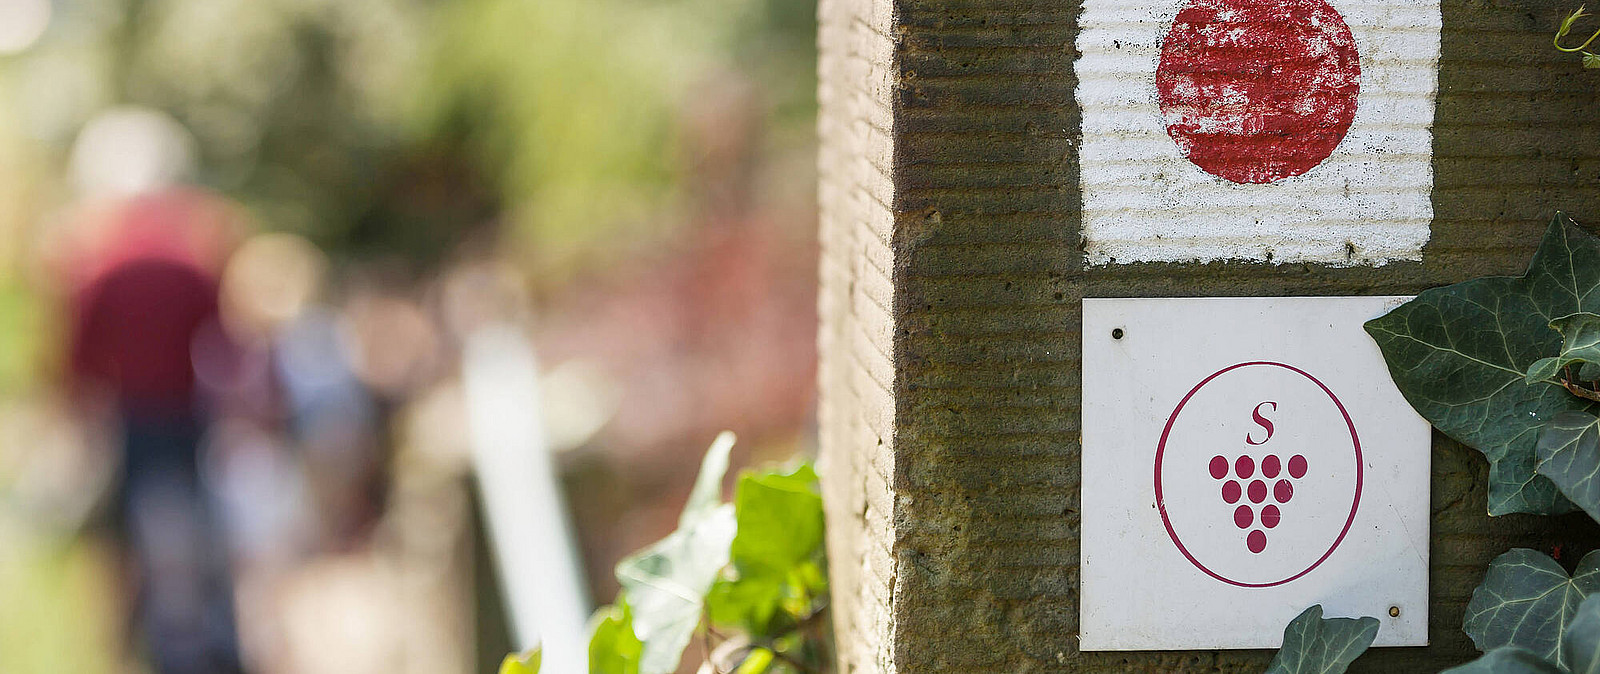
[1243,469]
[1234,479]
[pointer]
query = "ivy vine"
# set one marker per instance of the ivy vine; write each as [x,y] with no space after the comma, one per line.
[747,578]
[1510,366]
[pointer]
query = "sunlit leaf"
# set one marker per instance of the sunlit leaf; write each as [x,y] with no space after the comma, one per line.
[613,648]
[526,662]
[666,583]
[1527,600]
[780,520]
[1459,353]
[1313,644]
[756,662]
[774,553]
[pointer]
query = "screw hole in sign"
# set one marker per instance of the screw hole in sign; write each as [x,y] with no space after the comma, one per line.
[1256,480]
[1256,91]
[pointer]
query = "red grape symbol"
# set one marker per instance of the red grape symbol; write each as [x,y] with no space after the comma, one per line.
[1282,491]
[1265,480]
[1255,91]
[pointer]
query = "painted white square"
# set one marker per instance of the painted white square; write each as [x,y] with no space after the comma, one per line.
[1193,379]
[1366,204]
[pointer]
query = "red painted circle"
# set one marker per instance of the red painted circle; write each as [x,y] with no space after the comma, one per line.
[1257,541]
[1231,491]
[1297,468]
[1219,467]
[1256,91]
[1270,466]
[1270,516]
[1245,467]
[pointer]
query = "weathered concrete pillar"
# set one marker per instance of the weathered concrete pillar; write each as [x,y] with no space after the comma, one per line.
[953,271]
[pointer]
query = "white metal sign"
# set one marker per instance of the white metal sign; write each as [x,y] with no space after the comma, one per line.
[1243,459]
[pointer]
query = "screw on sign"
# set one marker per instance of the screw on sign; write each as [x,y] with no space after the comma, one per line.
[1252,433]
[1256,91]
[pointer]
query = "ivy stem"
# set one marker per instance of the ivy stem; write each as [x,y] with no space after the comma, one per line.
[1566,26]
[1580,47]
[1573,388]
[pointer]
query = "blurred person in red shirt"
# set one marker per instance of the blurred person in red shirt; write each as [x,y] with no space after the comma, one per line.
[146,287]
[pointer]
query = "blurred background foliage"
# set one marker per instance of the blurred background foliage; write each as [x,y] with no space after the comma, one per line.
[645,167]
[404,126]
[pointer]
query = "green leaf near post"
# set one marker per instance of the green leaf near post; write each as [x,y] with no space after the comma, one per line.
[1527,600]
[1569,455]
[526,662]
[780,537]
[780,520]
[665,584]
[1313,644]
[1459,355]
[613,647]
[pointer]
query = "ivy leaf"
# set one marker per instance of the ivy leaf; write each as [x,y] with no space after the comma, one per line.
[780,520]
[1313,644]
[1458,354]
[1566,24]
[1542,370]
[746,603]
[780,531]
[1507,660]
[758,661]
[666,583]
[613,648]
[1591,61]
[526,662]
[1527,600]
[1582,648]
[1589,372]
[1580,337]
[1580,343]
[1569,454]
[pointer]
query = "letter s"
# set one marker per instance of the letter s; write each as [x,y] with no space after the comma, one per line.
[1261,421]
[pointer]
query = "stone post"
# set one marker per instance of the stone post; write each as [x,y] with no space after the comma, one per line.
[953,268]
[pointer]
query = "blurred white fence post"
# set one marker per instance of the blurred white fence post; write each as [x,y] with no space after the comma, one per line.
[529,530]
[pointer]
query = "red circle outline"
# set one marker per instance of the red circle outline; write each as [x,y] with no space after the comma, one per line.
[1161,448]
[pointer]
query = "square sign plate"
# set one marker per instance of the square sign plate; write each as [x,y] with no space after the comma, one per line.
[1243,459]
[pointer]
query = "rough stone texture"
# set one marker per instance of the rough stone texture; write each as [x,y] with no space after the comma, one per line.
[855,343]
[952,279]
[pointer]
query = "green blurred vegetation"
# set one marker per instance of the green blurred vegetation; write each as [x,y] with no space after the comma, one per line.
[401,127]
[385,131]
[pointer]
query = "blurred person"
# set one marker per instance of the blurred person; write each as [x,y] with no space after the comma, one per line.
[147,290]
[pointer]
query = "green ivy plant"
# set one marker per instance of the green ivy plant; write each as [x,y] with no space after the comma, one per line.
[1511,367]
[1313,644]
[748,577]
[1590,60]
